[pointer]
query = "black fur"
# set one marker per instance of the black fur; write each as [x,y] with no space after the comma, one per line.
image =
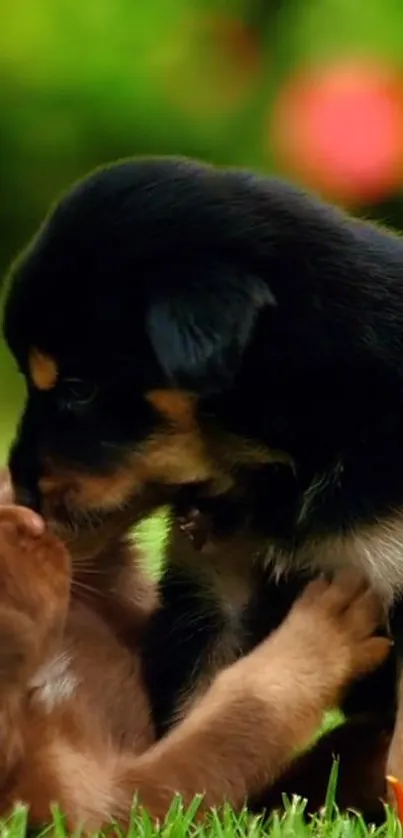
[177,643]
[283,314]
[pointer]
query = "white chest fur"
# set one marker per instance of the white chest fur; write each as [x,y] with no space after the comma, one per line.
[55,682]
[375,550]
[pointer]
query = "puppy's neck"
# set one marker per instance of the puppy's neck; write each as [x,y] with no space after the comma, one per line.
[110,581]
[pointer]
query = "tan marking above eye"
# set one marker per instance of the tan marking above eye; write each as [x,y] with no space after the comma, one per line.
[43,369]
[177,406]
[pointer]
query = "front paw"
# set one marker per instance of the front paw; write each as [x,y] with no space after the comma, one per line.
[335,624]
[34,588]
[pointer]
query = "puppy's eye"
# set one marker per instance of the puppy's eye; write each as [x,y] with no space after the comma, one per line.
[76,391]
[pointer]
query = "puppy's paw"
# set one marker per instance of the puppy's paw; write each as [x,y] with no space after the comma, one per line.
[334,624]
[34,586]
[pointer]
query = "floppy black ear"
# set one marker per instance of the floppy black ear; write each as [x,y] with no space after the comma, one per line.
[199,333]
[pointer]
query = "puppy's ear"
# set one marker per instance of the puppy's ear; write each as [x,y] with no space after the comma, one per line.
[199,333]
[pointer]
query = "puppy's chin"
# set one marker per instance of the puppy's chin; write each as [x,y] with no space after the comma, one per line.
[89,534]
[71,518]
[90,530]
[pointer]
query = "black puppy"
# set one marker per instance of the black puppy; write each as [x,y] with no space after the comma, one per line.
[179,324]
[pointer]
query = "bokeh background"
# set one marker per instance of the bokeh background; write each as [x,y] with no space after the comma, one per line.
[311,89]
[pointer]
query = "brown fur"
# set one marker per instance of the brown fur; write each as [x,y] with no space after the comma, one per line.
[43,370]
[77,726]
[180,451]
[176,405]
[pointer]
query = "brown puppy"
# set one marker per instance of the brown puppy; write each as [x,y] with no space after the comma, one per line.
[76,717]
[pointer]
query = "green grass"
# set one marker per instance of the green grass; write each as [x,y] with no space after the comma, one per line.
[182,823]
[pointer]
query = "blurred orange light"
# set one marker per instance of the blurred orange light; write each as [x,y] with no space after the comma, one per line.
[340,129]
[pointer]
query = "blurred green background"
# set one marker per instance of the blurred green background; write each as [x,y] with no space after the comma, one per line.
[308,88]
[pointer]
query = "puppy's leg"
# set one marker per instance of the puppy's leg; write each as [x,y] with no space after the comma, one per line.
[259,711]
[34,593]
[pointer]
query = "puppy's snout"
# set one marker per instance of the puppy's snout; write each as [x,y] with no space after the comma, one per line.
[58,497]
[52,492]
[49,486]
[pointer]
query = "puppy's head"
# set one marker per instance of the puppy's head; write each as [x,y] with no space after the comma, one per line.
[131,310]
